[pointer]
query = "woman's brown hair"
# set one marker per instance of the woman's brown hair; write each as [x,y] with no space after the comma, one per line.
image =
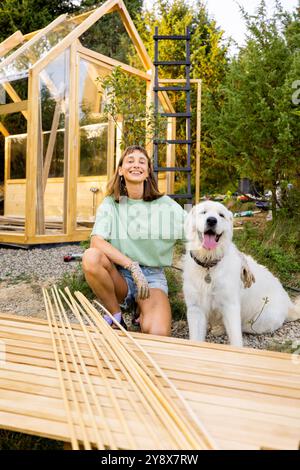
[117,187]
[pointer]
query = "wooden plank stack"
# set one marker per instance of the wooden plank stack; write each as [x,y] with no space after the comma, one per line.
[96,387]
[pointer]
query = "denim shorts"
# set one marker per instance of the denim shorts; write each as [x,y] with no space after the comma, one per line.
[156,279]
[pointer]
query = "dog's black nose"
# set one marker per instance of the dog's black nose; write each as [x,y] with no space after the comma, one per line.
[211,221]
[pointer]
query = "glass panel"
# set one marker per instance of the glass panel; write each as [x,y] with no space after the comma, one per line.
[16,126]
[8,53]
[93,150]
[116,46]
[93,126]
[13,161]
[19,67]
[14,91]
[17,145]
[93,134]
[53,141]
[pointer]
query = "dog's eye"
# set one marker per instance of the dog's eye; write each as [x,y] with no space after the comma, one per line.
[203,212]
[222,215]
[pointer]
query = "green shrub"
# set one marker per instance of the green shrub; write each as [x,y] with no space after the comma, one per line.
[276,246]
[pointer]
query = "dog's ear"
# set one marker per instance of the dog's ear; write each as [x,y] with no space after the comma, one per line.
[190,224]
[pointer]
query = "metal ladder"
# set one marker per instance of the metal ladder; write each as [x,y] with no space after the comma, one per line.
[187,115]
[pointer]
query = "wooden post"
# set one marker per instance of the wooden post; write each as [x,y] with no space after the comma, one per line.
[149,107]
[31,156]
[110,147]
[7,155]
[40,199]
[119,131]
[72,134]
[171,149]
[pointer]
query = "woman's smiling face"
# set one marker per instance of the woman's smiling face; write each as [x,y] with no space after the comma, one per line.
[135,167]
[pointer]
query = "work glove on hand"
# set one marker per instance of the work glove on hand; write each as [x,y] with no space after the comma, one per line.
[246,275]
[143,291]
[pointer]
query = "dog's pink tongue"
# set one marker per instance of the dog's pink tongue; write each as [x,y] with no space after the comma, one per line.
[209,242]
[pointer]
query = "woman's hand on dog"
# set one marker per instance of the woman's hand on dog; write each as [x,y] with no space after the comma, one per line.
[247,276]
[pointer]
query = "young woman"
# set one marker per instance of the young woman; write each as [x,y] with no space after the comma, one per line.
[132,240]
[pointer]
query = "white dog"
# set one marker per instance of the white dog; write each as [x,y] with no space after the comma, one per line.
[213,289]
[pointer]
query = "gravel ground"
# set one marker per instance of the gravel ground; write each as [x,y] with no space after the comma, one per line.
[41,264]
[288,332]
[24,272]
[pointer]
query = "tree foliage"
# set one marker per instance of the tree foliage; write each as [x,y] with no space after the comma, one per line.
[126,105]
[109,36]
[257,131]
[30,15]
[208,59]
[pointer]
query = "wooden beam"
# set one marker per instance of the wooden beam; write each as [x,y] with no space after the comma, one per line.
[88,53]
[134,36]
[3,130]
[34,39]
[12,237]
[71,37]
[79,235]
[30,35]
[14,96]
[9,43]
[13,107]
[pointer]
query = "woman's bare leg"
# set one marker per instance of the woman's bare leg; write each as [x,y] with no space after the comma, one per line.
[155,313]
[104,279]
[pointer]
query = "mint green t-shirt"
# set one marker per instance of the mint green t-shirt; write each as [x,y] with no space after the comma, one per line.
[144,231]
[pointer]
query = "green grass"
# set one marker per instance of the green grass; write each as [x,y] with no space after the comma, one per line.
[20,278]
[76,282]
[288,346]
[175,294]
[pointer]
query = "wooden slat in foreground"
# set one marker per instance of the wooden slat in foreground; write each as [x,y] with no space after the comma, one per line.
[246,399]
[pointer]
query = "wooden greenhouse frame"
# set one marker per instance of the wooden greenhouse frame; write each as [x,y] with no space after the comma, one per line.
[35,226]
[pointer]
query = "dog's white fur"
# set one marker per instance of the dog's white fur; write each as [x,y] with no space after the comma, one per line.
[261,308]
